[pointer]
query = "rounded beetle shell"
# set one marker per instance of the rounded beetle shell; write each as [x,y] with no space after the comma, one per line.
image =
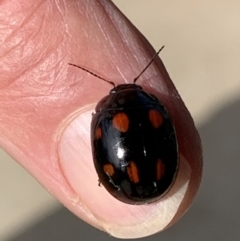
[134,145]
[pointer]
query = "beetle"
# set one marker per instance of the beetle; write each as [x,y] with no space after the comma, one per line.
[134,143]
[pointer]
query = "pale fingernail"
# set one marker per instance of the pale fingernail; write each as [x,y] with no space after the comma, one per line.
[101,209]
[76,162]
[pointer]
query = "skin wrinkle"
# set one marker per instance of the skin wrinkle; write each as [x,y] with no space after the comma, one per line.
[85,30]
[50,82]
[18,74]
[16,45]
[28,90]
[117,32]
[11,68]
[119,29]
[62,11]
[34,98]
[45,55]
[25,19]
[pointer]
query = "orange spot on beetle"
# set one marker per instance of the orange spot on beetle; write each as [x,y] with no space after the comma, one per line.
[98,133]
[156,118]
[160,169]
[132,172]
[121,122]
[108,169]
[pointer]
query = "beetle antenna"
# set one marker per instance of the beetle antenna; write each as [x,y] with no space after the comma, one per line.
[88,71]
[155,55]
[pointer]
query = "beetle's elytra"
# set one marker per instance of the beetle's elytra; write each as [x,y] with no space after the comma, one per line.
[134,145]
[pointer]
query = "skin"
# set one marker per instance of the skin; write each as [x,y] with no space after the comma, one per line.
[46,106]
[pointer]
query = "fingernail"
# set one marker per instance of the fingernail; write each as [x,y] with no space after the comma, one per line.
[98,207]
[76,162]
